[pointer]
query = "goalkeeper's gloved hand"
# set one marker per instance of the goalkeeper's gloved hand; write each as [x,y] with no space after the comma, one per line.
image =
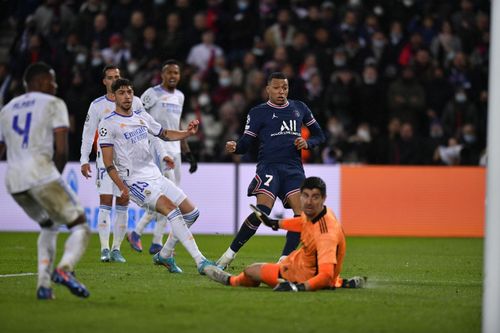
[193,164]
[290,286]
[271,223]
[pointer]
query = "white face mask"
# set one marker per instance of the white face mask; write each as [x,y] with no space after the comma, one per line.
[364,134]
[469,138]
[378,43]
[225,82]
[204,100]
[335,129]
[369,80]
[132,67]
[81,58]
[96,61]
[460,97]
[339,62]
[195,85]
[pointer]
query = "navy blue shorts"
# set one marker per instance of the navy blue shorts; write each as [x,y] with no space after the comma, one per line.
[277,180]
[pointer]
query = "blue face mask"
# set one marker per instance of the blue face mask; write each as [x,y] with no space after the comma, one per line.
[469,138]
[242,5]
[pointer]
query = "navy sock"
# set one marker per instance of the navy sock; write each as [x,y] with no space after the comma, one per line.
[248,229]
[292,241]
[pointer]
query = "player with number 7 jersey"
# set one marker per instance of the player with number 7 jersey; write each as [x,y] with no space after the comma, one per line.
[277,125]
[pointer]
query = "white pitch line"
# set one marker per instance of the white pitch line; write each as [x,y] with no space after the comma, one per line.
[16,275]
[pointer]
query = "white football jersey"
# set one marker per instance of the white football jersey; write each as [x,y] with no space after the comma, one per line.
[166,108]
[128,135]
[27,125]
[98,110]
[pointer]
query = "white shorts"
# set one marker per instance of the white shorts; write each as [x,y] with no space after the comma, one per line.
[55,201]
[103,182]
[146,193]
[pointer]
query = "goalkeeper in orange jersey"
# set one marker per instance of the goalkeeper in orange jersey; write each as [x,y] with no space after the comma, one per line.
[316,264]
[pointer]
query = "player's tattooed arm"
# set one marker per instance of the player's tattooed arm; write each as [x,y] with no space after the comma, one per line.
[175,135]
[107,157]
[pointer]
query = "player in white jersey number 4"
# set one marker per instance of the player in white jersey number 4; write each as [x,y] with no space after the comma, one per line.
[34,128]
[123,137]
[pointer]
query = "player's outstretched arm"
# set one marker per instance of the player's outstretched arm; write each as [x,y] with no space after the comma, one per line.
[263,218]
[285,285]
[175,135]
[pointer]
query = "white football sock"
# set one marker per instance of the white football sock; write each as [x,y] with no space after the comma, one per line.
[75,247]
[159,229]
[120,226]
[181,231]
[46,254]
[144,221]
[230,253]
[104,225]
[171,242]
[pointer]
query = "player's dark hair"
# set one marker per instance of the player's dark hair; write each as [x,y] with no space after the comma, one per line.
[169,62]
[276,75]
[121,82]
[107,68]
[311,183]
[34,70]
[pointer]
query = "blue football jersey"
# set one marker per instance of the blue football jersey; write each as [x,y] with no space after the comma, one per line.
[277,127]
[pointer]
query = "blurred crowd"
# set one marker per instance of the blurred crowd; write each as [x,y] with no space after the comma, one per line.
[390,81]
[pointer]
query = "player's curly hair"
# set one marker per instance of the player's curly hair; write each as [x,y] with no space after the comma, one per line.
[121,82]
[35,70]
[276,75]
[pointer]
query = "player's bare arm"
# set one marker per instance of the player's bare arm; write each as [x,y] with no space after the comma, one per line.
[107,157]
[2,150]
[61,148]
[174,135]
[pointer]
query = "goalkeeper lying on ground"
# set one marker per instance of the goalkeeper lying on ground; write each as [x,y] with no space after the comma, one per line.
[314,265]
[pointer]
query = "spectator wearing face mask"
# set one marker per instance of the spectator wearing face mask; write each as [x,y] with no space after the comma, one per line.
[406,97]
[457,112]
[372,102]
[224,90]
[360,145]
[472,145]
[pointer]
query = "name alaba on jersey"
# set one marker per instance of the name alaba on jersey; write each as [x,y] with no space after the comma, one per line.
[277,127]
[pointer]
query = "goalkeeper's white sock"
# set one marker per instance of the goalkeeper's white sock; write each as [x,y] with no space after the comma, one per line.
[75,247]
[181,231]
[159,229]
[46,254]
[120,226]
[104,225]
[171,242]
[144,221]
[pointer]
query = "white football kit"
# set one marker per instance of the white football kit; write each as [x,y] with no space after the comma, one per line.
[27,126]
[132,157]
[98,110]
[166,108]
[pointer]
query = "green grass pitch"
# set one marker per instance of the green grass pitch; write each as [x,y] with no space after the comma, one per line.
[415,285]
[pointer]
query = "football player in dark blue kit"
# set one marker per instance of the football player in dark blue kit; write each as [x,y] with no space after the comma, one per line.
[277,124]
